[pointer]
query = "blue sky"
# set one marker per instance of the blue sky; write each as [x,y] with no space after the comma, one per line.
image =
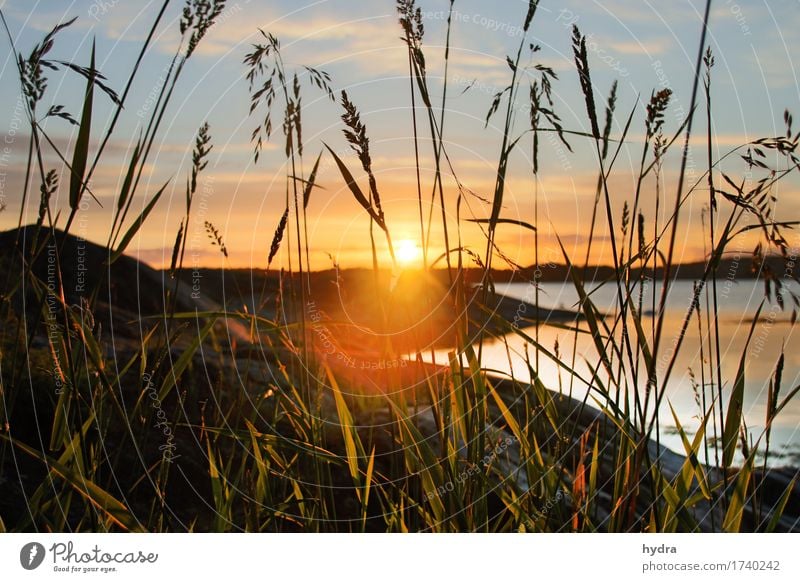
[643,44]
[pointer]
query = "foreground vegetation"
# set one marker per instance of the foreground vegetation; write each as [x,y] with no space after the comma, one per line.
[213,417]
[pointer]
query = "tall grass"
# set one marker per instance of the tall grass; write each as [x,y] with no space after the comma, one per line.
[274,435]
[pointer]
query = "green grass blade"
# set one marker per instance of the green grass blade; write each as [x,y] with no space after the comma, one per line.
[217,490]
[792,393]
[186,357]
[355,189]
[733,417]
[589,311]
[351,439]
[503,221]
[733,517]
[261,466]
[109,505]
[780,507]
[60,430]
[691,466]
[641,336]
[310,184]
[512,423]
[137,224]
[367,487]
[422,460]
[126,184]
[81,152]
[677,505]
[273,440]
[593,470]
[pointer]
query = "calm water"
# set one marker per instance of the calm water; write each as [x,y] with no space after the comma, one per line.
[737,302]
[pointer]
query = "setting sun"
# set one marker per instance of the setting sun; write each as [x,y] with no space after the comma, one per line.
[408,252]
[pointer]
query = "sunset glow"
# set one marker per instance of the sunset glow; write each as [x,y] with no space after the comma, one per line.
[408,252]
[643,51]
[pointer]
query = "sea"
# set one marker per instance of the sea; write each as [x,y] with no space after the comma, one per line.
[737,304]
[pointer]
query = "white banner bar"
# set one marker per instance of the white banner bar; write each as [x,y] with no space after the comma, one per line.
[401,558]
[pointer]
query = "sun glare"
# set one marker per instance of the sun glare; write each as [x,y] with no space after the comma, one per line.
[407,252]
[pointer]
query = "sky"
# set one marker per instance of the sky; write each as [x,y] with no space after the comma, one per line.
[644,45]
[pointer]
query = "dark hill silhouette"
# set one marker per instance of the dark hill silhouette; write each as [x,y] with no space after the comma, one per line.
[129,290]
[128,284]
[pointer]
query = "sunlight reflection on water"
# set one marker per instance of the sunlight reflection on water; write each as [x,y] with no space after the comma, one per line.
[737,304]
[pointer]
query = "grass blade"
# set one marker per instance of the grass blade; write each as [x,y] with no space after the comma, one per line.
[186,357]
[692,466]
[356,190]
[136,226]
[733,517]
[351,440]
[81,152]
[311,182]
[114,509]
[733,417]
[126,184]
[277,237]
[780,507]
[503,221]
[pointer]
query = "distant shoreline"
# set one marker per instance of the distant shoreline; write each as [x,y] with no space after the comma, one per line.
[731,269]
[737,267]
